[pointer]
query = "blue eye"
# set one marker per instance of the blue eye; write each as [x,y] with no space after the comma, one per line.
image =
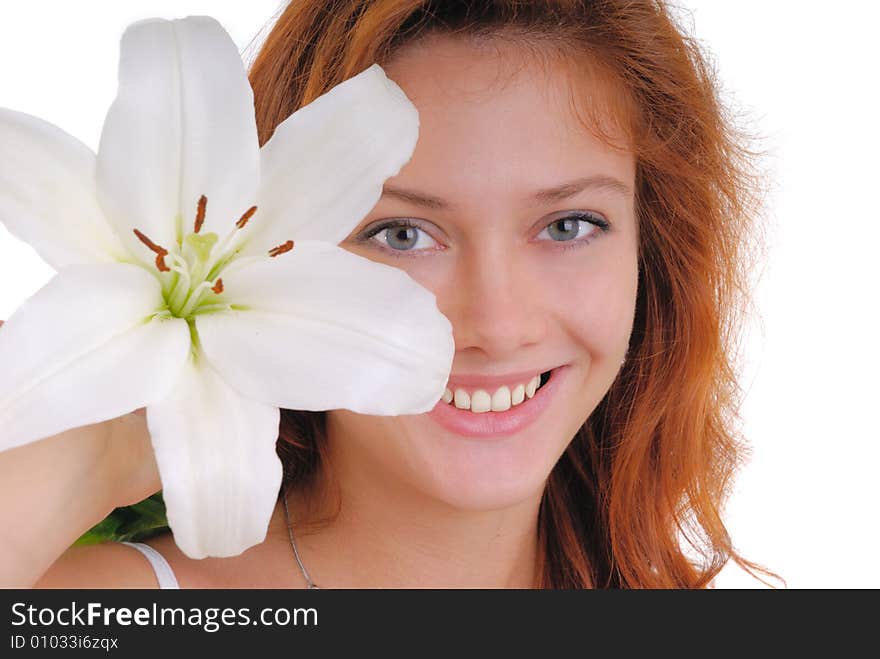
[404,237]
[575,227]
[400,236]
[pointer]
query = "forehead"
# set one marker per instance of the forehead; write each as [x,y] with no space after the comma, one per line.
[501,112]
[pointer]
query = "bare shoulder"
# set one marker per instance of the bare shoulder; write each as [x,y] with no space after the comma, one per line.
[106,565]
[114,565]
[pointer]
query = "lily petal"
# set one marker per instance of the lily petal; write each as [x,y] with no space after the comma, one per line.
[324,328]
[216,456]
[83,350]
[324,167]
[181,126]
[48,196]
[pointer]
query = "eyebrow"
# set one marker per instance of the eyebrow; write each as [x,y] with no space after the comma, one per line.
[600,182]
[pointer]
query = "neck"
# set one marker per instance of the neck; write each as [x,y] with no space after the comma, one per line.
[381,533]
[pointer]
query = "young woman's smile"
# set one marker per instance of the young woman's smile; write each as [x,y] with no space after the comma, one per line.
[477,413]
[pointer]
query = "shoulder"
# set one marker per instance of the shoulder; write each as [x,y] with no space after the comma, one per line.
[106,565]
[115,565]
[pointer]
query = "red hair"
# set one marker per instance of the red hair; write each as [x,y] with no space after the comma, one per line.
[636,499]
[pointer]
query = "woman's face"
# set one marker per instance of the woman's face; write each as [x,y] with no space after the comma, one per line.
[506,233]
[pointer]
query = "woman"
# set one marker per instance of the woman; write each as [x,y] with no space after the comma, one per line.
[581,209]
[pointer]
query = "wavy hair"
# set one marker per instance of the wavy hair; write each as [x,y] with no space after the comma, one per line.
[636,500]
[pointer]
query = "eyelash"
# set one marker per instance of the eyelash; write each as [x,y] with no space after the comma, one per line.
[397,253]
[590,218]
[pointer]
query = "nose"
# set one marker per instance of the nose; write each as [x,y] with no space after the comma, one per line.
[495,304]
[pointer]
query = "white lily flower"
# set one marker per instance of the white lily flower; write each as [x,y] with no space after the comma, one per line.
[200,276]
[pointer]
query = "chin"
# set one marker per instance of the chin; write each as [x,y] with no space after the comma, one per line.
[484,475]
[490,493]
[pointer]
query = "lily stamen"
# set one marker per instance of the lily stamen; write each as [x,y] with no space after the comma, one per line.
[248,214]
[281,249]
[181,286]
[219,251]
[200,213]
[196,295]
[161,252]
[178,264]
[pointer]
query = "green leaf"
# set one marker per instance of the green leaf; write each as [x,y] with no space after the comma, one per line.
[129,523]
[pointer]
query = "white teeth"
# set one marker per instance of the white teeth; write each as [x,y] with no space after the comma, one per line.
[501,400]
[532,386]
[518,394]
[480,401]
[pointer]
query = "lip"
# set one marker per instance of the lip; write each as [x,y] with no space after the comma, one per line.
[499,424]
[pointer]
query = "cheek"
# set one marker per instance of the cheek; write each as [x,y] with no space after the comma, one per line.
[599,305]
[381,444]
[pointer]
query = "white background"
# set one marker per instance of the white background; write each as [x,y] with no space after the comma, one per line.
[804,76]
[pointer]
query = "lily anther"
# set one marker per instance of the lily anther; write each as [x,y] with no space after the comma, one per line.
[195,286]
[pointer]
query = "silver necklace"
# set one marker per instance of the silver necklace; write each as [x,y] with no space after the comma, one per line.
[311,584]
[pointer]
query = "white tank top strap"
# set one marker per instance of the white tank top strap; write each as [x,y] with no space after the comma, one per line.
[164,573]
